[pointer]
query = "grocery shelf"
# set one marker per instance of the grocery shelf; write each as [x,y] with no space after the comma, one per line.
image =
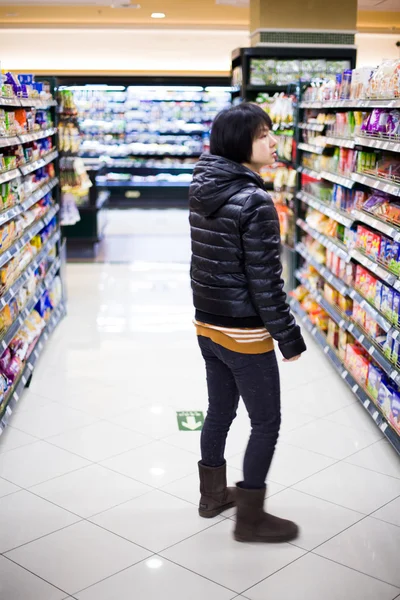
[309,172]
[26,102]
[371,310]
[384,185]
[9,175]
[352,104]
[38,164]
[384,274]
[334,281]
[335,314]
[339,216]
[5,142]
[373,350]
[376,223]
[312,126]
[12,291]
[12,399]
[310,148]
[361,395]
[334,247]
[39,193]
[339,179]
[136,184]
[27,236]
[338,141]
[37,135]
[392,146]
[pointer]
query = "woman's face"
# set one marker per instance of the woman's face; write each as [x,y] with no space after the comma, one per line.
[264,149]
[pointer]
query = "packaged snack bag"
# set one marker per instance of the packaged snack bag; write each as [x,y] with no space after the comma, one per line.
[395,410]
[388,346]
[378,294]
[387,301]
[395,351]
[330,294]
[344,339]
[375,377]
[358,314]
[370,287]
[345,304]
[385,398]
[333,333]
[396,309]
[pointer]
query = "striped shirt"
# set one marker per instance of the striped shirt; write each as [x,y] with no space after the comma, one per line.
[245,341]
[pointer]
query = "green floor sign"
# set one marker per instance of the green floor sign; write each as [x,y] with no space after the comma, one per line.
[190,420]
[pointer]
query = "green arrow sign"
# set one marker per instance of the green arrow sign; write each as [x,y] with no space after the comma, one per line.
[191,420]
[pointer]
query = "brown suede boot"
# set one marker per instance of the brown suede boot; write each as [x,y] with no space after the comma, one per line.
[215,496]
[255,525]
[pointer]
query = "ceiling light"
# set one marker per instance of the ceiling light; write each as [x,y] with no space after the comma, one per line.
[158,16]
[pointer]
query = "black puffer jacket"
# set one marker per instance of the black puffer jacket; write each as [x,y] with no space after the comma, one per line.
[236,268]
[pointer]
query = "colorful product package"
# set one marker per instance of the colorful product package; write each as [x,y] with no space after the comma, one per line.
[358,314]
[387,301]
[378,294]
[396,309]
[375,245]
[385,398]
[370,287]
[395,410]
[393,256]
[357,363]
[375,377]
[333,333]
[344,339]
[345,304]
[330,294]
[396,351]
[388,345]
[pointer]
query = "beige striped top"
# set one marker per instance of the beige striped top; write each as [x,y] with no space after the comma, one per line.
[245,341]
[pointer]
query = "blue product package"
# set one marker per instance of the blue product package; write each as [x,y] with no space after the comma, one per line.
[26,78]
[382,253]
[385,397]
[395,351]
[395,411]
[388,345]
[396,309]
[391,257]
[387,301]
[375,376]
[378,294]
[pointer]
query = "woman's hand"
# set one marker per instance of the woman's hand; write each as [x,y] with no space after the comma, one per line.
[292,359]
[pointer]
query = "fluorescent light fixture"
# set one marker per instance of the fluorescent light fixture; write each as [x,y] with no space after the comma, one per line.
[154,563]
[157,15]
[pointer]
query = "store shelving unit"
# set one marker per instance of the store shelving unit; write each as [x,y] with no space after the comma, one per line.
[146,133]
[46,263]
[349,219]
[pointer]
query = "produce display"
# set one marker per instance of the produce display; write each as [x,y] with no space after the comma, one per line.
[284,72]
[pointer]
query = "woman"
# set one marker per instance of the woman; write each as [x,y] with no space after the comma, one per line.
[240,309]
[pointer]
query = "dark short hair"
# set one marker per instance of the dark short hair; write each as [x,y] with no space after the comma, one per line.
[234,130]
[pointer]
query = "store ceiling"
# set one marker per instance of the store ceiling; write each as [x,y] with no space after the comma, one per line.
[373,15]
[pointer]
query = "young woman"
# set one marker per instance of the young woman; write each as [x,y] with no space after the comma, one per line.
[241,309]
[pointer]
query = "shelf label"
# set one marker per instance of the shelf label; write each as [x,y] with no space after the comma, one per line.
[355,388]
[375,415]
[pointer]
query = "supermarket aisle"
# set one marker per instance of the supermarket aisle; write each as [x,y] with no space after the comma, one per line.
[98,487]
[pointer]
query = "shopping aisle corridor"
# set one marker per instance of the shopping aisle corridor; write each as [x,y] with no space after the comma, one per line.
[98,487]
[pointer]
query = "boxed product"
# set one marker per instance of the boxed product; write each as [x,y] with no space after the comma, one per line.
[395,351]
[374,330]
[344,340]
[396,309]
[388,345]
[358,363]
[375,377]
[333,333]
[345,304]
[378,294]
[370,287]
[395,410]
[387,301]
[358,314]
[385,397]
[330,294]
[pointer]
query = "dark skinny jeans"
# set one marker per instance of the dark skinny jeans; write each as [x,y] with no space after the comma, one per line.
[254,377]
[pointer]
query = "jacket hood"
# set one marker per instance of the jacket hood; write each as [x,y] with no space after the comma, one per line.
[216,180]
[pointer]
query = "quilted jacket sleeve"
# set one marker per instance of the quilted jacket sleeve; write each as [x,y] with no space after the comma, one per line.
[261,247]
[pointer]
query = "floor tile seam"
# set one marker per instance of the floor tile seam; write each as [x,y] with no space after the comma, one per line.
[305,553]
[363,517]
[342,458]
[354,428]
[96,422]
[162,549]
[346,460]
[328,501]
[356,570]
[95,462]
[30,491]
[136,498]
[28,488]
[40,537]
[115,574]
[34,574]
[371,515]
[174,562]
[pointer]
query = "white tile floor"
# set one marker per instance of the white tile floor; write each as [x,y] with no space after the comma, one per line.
[98,488]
